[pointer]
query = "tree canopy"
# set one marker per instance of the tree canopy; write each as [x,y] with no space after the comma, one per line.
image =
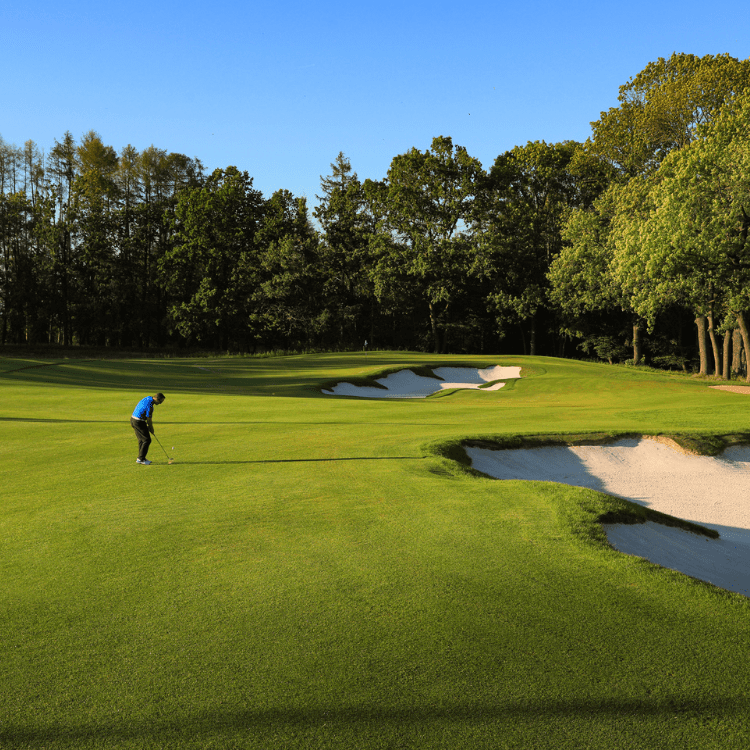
[632,245]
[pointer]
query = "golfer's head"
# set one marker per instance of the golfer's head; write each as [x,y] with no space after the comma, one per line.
[159,398]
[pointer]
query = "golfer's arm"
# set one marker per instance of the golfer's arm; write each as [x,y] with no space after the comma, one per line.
[150,425]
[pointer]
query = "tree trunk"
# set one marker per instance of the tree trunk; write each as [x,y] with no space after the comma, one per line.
[434,327]
[745,340]
[681,348]
[372,323]
[445,337]
[700,323]
[726,373]
[532,336]
[736,351]
[4,326]
[66,258]
[637,342]
[714,345]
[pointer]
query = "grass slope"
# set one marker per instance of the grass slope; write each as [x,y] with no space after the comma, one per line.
[316,572]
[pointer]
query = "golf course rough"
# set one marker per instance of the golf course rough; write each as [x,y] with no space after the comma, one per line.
[314,572]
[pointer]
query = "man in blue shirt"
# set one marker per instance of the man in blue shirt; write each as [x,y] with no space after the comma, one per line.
[142,424]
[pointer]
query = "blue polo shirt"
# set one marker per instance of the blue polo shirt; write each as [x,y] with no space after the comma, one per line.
[144,408]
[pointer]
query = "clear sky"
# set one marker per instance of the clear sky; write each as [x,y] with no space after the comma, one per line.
[278,89]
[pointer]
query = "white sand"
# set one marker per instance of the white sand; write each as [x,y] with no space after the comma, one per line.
[406,384]
[714,492]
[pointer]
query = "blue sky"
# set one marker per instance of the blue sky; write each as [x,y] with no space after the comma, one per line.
[278,89]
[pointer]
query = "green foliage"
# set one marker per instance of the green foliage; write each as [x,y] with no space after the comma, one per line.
[672,232]
[423,209]
[609,348]
[662,108]
[591,244]
[526,199]
[206,270]
[92,226]
[288,296]
[681,235]
[345,254]
[579,276]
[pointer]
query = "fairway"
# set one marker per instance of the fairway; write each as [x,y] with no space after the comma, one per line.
[316,571]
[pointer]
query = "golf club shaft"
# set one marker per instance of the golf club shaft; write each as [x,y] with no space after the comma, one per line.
[161,446]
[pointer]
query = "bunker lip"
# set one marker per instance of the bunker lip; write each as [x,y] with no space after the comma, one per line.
[706,490]
[407,384]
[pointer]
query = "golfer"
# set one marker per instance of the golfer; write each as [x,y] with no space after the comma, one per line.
[142,424]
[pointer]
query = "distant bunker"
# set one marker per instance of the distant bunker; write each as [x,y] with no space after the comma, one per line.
[408,384]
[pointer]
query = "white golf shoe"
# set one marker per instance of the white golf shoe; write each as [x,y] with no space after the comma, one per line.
[143,461]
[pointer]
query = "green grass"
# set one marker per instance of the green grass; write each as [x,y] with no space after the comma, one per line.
[319,572]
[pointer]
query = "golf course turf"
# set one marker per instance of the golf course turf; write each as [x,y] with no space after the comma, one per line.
[316,571]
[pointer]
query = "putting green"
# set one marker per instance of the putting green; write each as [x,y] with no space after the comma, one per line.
[320,572]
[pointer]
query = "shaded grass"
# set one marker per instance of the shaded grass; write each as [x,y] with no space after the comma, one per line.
[710,445]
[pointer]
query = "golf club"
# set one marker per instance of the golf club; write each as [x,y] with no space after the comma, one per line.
[169,460]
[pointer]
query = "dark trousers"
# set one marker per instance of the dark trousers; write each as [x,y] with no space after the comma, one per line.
[143,435]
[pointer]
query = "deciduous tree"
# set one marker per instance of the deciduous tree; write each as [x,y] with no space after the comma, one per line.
[663,106]
[526,199]
[205,273]
[347,227]
[425,206]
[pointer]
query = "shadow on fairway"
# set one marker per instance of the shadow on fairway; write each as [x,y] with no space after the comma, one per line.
[301,460]
[61,421]
[368,720]
[165,423]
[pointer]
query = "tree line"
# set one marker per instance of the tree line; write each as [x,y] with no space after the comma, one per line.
[630,246]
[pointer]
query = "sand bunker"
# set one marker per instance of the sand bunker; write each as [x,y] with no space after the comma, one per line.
[710,491]
[407,384]
[744,389]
